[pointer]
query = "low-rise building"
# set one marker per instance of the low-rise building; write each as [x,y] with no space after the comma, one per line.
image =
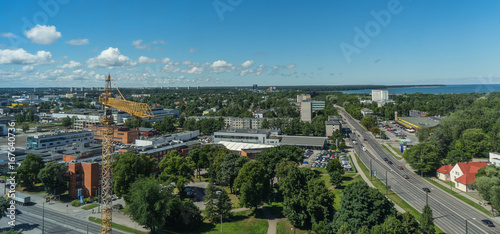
[84,174]
[147,132]
[464,173]
[495,159]
[333,124]
[58,139]
[366,111]
[443,173]
[255,136]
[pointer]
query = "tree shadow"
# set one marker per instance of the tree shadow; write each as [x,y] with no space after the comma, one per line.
[21,227]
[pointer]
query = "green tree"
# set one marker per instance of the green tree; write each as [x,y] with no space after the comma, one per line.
[423,134]
[127,167]
[66,122]
[345,229]
[184,215]
[473,143]
[335,165]
[29,169]
[393,225]
[361,205]
[177,169]
[424,156]
[4,204]
[283,167]
[25,127]
[270,157]
[320,201]
[230,166]
[252,184]
[364,230]
[215,205]
[369,122]
[409,223]
[427,222]
[335,178]
[150,202]
[52,176]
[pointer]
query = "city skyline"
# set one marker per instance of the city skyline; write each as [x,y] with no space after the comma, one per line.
[64,43]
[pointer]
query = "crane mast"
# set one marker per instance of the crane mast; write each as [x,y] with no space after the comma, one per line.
[136,110]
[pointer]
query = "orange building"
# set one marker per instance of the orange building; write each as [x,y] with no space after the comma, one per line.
[121,134]
[84,173]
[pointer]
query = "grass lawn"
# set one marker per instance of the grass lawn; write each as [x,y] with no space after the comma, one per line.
[392,196]
[118,226]
[286,227]
[457,195]
[88,207]
[395,156]
[246,221]
[234,199]
[35,190]
[321,170]
[395,149]
[276,208]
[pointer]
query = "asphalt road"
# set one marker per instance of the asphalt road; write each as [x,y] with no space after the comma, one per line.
[449,213]
[31,218]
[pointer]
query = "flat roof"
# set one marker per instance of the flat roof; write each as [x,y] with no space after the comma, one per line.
[246,131]
[303,141]
[419,121]
[238,146]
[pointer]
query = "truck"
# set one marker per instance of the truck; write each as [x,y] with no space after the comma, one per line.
[21,198]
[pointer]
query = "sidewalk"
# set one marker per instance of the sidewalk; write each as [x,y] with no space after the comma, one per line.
[466,195]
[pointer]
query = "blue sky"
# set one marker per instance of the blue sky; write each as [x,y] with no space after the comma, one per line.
[243,42]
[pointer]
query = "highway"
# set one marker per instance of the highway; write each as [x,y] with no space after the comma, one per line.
[449,213]
[55,222]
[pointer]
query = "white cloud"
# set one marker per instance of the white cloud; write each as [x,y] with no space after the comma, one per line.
[158,42]
[290,66]
[144,59]
[194,70]
[220,66]
[165,60]
[42,34]
[170,68]
[276,67]
[20,56]
[71,65]
[260,69]
[247,63]
[28,68]
[78,42]
[9,35]
[246,72]
[138,44]
[110,58]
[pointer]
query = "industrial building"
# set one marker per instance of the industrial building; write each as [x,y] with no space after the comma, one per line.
[90,117]
[58,139]
[255,136]
[156,152]
[176,137]
[305,142]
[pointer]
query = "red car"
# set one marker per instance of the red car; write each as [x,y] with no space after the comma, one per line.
[400,167]
[2,181]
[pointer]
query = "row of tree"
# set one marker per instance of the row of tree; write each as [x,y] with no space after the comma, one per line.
[33,170]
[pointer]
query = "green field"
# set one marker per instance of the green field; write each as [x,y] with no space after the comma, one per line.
[246,221]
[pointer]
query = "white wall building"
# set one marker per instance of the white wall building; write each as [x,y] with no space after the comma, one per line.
[495,159]
[380,95]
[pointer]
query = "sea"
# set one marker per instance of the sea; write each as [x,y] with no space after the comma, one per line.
[468,88]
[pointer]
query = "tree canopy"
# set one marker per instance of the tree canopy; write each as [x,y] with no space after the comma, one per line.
[127,167]
[52,176]
[252,184]
[29,169]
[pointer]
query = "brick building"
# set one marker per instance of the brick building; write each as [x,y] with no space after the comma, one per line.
[84,173]
[121,134]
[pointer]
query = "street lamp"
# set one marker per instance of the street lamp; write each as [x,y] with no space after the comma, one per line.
[293,230]
[466,229]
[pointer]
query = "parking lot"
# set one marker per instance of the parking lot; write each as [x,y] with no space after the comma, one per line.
[395,132]
[320,158]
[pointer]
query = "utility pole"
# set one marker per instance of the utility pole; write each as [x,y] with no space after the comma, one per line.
[43,218]
[221,223]
[386,186]
[466,229]
[426,198]
[371,172]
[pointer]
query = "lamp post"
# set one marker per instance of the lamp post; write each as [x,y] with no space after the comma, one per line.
[466,228]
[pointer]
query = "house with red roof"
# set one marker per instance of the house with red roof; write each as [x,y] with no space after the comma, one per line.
[443,172]
[464,173]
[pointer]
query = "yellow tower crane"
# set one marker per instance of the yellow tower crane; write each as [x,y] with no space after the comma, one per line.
[136,110]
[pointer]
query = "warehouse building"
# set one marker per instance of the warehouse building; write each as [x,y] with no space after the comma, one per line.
[58,139]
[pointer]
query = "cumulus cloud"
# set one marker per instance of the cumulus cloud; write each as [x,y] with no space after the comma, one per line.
[194,70]
[8,35]
[260,69]
[220,66]
[28,68]
[78,42]
[20,56]
[290,66]
[110,58]
[165,60]
[246,72]
[70,65]
[42,34]
[247,63]
[257,71]
[144,59]
[170,68]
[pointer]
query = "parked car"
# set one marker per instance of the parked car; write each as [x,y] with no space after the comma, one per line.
[488,222]
[2,181]
[426,190]
[385,159]
[117,206]
[400,167]
[406,177]
[390,162]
